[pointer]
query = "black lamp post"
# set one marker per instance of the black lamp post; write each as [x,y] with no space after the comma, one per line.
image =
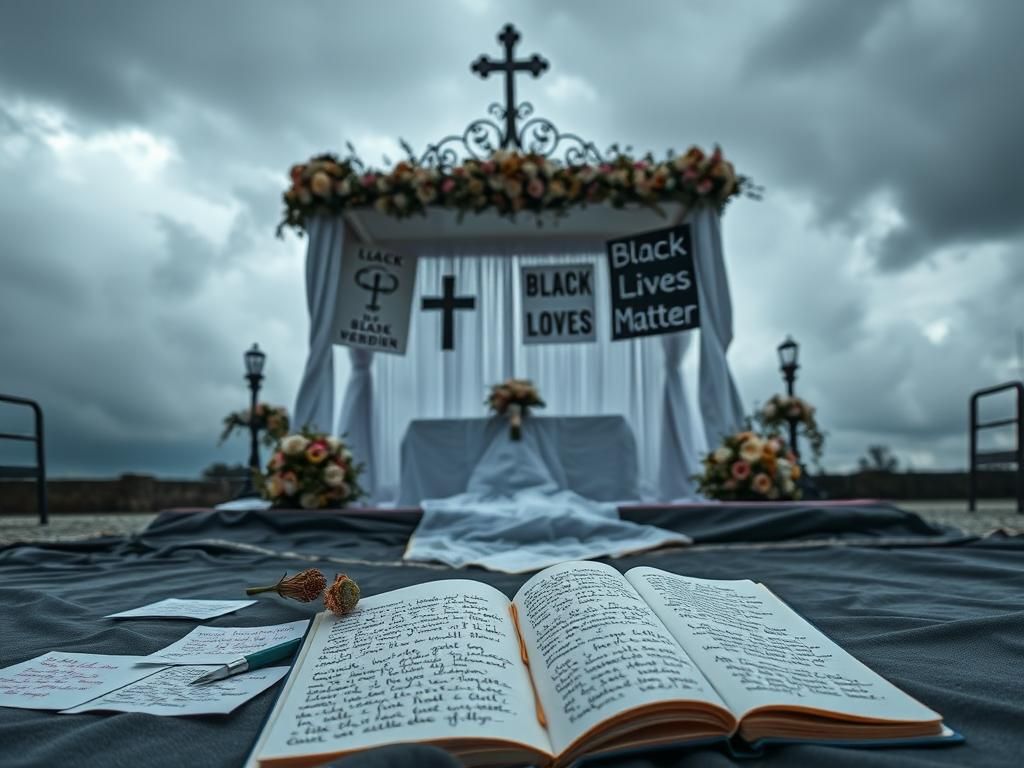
[788,353]
[254,360]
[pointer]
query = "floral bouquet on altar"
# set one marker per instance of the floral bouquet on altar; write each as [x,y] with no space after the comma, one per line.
[512,398]
[750,467]
[781,409]
[312,471]
[271,419]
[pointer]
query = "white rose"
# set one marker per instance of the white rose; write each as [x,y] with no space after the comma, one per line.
[722,454]
[346,455]
[788,486]
[752,449]
[382,184]
[293,445]
[309,501]
[401,201]
[334,476]
[530,169]
[333,443]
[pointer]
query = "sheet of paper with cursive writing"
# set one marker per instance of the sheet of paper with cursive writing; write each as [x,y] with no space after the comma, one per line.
[168,693]
[758,652]
[597,649]
[58,680]
[430,662]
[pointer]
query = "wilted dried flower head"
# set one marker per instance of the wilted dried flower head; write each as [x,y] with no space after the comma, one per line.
[341,597]
[305,587]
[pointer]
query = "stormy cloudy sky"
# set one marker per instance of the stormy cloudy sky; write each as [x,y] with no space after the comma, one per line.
[144,147]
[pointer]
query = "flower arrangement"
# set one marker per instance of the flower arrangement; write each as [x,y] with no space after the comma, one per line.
[781,409]
[750,467]
[512,398]
[509,182]
[312,471]
[272,420]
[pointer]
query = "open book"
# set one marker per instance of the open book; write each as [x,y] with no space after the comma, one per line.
[583,661]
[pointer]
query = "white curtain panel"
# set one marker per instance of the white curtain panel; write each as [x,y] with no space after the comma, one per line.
[314,403]
[720,403]
[604,377]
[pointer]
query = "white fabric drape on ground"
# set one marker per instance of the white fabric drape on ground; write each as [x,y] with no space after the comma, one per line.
[314,404]
[516,516]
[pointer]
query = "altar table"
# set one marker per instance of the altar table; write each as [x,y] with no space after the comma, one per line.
[595,456]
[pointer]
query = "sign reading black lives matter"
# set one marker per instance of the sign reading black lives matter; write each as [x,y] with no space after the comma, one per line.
[654,283]
[374,300]
[558,304]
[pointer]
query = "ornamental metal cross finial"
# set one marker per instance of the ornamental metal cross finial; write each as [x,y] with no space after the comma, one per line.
[484,65]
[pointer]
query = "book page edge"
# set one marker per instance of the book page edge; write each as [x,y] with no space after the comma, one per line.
[252,761]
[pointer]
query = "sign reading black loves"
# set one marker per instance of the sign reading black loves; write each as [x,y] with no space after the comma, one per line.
[558,304]
[653,283]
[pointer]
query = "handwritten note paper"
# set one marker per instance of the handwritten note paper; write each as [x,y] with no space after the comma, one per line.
[60,680]
[173,608]
[168,693]
[220,645]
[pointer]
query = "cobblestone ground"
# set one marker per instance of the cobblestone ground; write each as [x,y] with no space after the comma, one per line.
[992,515]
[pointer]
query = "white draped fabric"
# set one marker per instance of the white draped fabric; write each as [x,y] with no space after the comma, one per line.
[314,404]
[516,516]
[642,379]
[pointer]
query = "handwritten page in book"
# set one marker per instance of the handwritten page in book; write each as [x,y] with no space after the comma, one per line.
[757,651]
[220,645]
[168,693]
[59,680]
[596,649]
[175,608]
[433,661]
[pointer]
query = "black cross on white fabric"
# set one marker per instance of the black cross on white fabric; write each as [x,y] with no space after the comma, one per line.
[448,302]
[484,65]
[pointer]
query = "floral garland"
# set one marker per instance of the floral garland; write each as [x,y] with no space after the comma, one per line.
[313,471]
[781,409]
[750,467]
[271,419]
[512,398]
[510,182]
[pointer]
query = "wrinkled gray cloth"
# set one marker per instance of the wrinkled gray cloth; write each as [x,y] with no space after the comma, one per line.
[940,615]
[515,516]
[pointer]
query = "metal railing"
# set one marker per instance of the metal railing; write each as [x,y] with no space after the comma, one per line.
[22,472]
[1015,456]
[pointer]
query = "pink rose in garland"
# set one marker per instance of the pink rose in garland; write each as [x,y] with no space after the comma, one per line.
[312,471]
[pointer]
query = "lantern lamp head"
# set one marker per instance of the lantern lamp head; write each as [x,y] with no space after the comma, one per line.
[254,360]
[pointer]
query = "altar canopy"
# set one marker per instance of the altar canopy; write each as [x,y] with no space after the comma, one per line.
[469,210]
[642,379]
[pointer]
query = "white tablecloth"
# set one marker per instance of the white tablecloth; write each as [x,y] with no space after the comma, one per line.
[595,456]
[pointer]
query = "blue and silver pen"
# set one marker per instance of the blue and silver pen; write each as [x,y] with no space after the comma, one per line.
[256,660]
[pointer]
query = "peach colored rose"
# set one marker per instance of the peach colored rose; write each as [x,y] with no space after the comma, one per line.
[761,483]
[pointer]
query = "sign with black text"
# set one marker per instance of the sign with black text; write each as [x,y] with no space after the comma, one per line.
[653,283]
[558,304]
[374,299]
